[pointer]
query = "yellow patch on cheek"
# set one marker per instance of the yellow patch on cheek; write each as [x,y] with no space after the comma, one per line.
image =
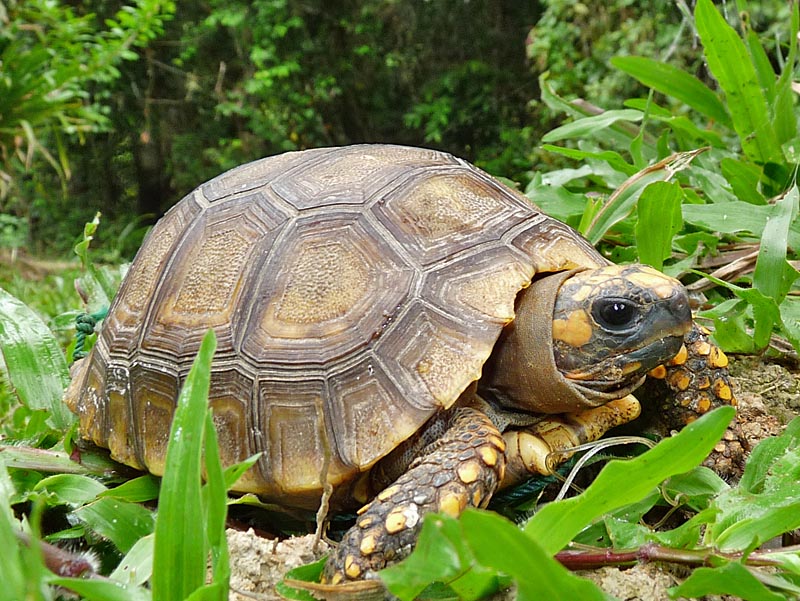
[575,330]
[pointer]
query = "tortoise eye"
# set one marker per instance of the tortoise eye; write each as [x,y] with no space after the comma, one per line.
[615,313]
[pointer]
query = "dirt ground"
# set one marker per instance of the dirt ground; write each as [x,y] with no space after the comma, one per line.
[768,394]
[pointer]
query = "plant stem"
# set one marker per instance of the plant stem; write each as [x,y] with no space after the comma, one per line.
[584,559]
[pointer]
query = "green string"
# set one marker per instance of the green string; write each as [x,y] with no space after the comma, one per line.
[84,326]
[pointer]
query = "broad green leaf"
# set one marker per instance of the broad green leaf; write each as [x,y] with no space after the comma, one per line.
[233,472]
[709,181]
[763,67]
[626,535]
[121,522]
[659,219]
[311,572]
[591,126]
[615,134]
[141,489]
[783,111]
[791,150]
[499,544]
[181,548]
[137,565]
[731,329]
[672,81]
[773,276]
[743,178]
[609,156]
[732,578]
[730,63]
[695,488]
[209,592]
[766,313]
[101,590]
[766,503]
[71,489]
[34,361]
[750,532]
[622,482]
[45,460]
[728,217]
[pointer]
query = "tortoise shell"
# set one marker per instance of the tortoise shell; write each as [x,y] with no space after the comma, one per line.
[354,293]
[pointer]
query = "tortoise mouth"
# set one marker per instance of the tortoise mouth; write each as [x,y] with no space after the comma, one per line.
[617,372]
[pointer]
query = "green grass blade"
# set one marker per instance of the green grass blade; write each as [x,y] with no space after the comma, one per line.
[624,482]
[674,82]
[659,212]
[181,548]
[11,569]
[589,126]
[763,67]
[36,366]
[616,134]
[733,579]
[783,111]
[121,522]
[773,276]
[731,64]
[96,285]
[216,500]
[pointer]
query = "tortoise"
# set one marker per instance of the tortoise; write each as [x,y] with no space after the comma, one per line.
[395,327]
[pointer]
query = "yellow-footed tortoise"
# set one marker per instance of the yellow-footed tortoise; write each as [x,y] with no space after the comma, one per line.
[391,322]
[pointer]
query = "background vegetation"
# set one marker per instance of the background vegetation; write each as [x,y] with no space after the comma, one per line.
[125,107]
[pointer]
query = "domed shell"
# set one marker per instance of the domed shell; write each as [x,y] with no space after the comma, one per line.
[354,292]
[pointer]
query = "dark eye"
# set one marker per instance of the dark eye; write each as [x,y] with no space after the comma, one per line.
[615,313]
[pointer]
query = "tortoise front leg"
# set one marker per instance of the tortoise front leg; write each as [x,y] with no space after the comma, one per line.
[527,449]
[462,468]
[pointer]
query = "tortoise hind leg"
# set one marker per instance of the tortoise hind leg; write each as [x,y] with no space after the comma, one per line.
[462,468]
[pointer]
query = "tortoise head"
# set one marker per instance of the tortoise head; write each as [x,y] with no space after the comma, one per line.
[583,338]
[614,324]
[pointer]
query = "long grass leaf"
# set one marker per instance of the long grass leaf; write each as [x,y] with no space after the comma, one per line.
[594,125]
[783,112]
[181,547]
[659,219]
[498,543]
[773,276]
[674,82]
[623,482]
[215,497]
[36,366]
[732,66]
